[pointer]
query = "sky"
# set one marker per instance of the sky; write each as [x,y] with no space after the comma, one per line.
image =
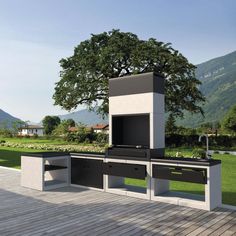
[35,35]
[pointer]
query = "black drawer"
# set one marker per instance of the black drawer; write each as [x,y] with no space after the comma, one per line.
[125,170]
[185,174]
[87,172]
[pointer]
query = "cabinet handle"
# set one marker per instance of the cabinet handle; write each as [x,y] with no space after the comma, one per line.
[176,173]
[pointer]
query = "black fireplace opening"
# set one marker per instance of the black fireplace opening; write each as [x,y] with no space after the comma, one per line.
[131,130]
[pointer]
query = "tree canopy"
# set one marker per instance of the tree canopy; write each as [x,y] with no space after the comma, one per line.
[84,76]
[69,122]
[170,127]
[50,123]
[229,121]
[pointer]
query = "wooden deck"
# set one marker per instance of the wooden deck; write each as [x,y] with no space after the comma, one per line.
[74,211]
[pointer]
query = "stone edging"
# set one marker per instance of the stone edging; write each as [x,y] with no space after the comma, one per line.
[222,152]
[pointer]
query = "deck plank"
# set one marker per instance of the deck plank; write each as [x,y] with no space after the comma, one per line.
[77,211]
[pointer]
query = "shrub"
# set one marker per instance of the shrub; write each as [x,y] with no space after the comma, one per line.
[178,140]
[6,133]
[102,138]
[83,135]
[199,153]
[59,148]
[35,136]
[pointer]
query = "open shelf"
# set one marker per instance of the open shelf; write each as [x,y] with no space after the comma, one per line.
[131,188]
[49,183]
[182,199]
[52,184]
[56,172]
[182,196]
[117,185]
[54,167]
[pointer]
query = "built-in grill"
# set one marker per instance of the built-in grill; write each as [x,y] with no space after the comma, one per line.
[134,152]
[136,111]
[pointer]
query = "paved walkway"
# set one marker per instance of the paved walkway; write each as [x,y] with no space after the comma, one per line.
[74,211]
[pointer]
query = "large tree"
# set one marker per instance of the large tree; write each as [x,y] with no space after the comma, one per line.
[84,76]
[50,123]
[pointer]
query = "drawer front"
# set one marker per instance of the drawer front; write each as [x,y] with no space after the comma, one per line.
[125,170]
[87,172]
[185,174]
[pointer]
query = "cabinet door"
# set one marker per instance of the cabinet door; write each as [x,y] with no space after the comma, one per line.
[87,172]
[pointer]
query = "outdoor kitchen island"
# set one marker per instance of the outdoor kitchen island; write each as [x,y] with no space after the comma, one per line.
[205,172]
[137,150]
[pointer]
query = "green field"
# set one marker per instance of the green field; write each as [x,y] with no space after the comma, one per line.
[10,157]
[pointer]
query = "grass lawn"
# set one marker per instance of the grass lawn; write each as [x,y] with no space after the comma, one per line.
[10,157]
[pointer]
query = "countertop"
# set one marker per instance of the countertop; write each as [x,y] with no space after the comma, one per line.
[171,160]
[45,154]
[88,154]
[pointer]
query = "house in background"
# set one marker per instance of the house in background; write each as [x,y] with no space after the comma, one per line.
[98,128]
[72,129]
[31,130]
[101,128]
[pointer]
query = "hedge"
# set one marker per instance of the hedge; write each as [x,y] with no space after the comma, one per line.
[177,140]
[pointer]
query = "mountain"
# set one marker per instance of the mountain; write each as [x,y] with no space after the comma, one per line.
[6,120]
[218,77]
[84,116]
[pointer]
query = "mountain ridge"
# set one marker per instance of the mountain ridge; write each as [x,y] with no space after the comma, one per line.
[6,120]
[218,77]
[85,117]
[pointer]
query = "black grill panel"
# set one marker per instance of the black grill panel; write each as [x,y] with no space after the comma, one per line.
[134,153]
